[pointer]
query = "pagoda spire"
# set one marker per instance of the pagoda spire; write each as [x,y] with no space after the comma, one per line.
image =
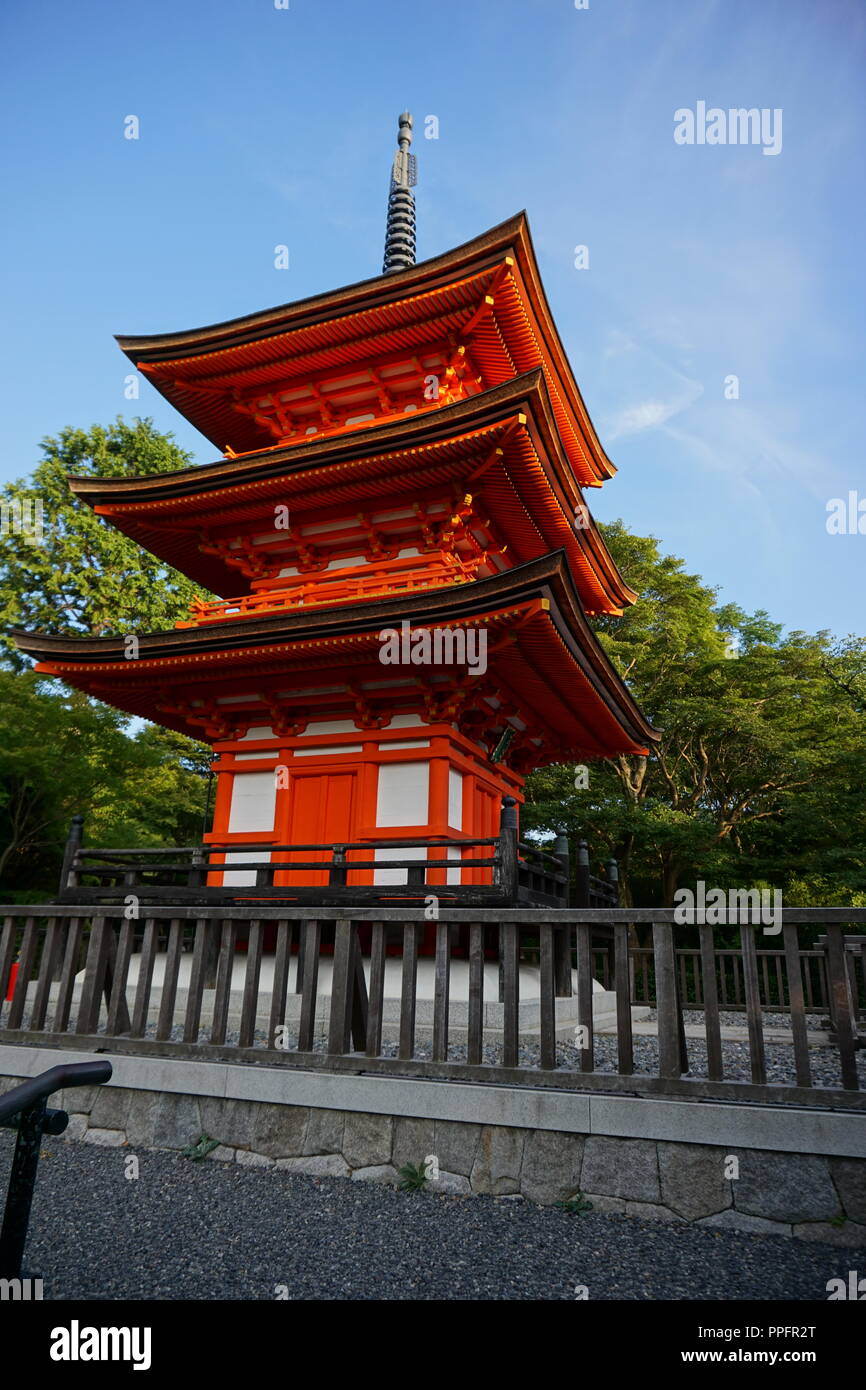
[400,231]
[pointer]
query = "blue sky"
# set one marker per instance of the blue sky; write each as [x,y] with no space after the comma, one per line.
[262,126]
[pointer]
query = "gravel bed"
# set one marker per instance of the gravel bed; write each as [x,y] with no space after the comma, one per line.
[188,1230]
[826,1070]
[736,1018]
[779,1057]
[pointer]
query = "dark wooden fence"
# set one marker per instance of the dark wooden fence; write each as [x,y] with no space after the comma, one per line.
[500,870]
[73,988]
[731,984]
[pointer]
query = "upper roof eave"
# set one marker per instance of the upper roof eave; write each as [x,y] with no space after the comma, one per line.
[471,257]
[331,304]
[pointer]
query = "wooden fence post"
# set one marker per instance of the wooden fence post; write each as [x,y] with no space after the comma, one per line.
[508,850]
[337,874]
[581,876]
[667,1003]
[508,872]
[68,875]
[562,938]
[842,1007]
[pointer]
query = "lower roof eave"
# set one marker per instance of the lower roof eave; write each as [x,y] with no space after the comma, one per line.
[545,584]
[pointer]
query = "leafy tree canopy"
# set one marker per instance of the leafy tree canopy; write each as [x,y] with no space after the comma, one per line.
[61,753]
[84,576]
[762,749]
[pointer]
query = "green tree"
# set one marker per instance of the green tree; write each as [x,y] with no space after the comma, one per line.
[762,746]
[158,795]
[49,750]
[61,753]
[84,576]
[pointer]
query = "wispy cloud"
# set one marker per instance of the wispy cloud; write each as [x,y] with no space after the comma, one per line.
[646,415]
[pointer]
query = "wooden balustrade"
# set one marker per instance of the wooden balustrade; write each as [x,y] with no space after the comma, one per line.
[192,875]
[772,978]
[188,981]
[351,585]
[460,870]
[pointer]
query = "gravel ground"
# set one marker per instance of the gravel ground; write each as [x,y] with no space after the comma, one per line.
[188,1230]
[826,1070]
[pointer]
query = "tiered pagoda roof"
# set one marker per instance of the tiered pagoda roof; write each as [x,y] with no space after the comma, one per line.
[479,311]
[502,444]
[543,658]
[426,438]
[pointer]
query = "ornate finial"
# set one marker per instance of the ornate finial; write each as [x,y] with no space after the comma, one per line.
[400,232]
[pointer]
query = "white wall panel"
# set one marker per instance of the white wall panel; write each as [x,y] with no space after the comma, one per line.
[392,876]
[455,799]
[403,794]
[254,801]
[244,878]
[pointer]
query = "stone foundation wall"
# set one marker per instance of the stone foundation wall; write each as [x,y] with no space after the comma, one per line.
[813,1196]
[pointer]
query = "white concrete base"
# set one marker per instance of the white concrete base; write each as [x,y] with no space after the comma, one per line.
[604,1001]
[785,1129]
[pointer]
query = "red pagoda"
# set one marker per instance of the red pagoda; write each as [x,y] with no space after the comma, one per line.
[408,455]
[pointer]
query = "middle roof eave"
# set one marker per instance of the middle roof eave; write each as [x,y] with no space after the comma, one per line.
[137,503]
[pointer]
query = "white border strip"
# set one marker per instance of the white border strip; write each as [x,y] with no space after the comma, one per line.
[785,1130]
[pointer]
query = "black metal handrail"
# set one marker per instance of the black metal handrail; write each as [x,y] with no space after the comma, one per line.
[25,1109]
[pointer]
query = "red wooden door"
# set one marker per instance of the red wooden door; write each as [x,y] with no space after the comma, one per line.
[320,812]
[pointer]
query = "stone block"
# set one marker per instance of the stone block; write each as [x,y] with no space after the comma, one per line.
[732,1220]
[849,1176]
[279,1130]
[455,1144]
[251,1160]
[497,1165]
[141,1119]
[77,1127]
[602,1202]
[384,1173]
[626,1168]
[650,1211]
[551,1166]
[222,1154]
[414,1140]
[232,1122]
[324,1132]
[367,1139]
[166,1121]
[105,1138]
[849,1234]
[450,1185]
[110,1109]
[785,1187]
[316,1166]
[77,1098]
[177,1123]
[692,1178]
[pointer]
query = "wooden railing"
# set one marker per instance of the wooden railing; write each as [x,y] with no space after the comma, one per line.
[772,991]
[88,981]
[461,870]
[405,574]
[253,872]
